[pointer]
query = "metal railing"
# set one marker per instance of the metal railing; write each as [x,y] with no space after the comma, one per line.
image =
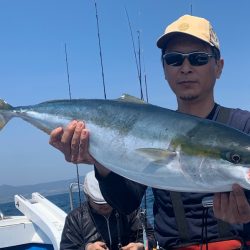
[73,186]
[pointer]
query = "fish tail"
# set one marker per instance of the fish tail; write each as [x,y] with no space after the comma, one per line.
[5,116]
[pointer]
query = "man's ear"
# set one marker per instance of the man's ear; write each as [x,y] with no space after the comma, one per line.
[164,70]
[165,74]
[220,65]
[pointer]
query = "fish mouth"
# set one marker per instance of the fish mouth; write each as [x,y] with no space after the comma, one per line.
[248,175]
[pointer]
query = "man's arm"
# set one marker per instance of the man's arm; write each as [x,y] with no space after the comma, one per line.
[121,193]
[71,235]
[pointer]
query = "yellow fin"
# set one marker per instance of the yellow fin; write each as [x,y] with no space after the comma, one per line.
[157,154]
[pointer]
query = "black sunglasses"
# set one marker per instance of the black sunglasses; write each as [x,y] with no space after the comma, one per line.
[194,58]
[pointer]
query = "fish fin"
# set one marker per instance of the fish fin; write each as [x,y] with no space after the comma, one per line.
[4,117]
[130,98]
[157,154]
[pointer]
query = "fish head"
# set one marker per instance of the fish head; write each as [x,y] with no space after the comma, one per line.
[219,158]
[235,164]
[236,156]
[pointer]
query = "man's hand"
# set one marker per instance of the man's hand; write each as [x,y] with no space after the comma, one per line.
[98,245]
[232,207]
[133,246]
[72,142]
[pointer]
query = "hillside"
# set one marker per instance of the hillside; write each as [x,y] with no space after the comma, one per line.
[7,192]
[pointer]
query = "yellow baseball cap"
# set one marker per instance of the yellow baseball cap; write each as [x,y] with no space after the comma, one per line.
[194,26]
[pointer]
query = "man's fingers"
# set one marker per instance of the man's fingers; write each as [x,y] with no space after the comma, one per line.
[98,245]
[55,136]
[68,133]
[75,141]
[221,202]
[224,203]
[240,197]
[233,212]
[66,140]
[243,207]
[133,246]
[83,148]
[232,207]
[101,245]
[216,204]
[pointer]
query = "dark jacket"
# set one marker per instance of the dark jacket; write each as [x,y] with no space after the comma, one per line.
[166,231]
[83,225]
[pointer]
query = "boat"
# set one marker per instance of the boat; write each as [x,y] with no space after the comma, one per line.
[40,226]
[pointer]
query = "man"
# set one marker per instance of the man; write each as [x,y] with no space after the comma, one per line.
[96,225]
[192,64]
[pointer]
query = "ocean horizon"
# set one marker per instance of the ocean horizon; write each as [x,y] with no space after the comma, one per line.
[63,202]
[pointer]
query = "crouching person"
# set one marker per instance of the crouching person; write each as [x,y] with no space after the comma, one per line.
[95,225]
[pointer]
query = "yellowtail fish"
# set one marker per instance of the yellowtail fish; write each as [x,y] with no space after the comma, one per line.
[148,144]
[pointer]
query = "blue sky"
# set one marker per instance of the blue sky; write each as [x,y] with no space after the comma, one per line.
[33,68]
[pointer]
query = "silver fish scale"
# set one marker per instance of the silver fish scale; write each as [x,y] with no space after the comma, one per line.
[149,144]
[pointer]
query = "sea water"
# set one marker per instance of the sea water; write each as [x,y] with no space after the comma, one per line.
[63,201]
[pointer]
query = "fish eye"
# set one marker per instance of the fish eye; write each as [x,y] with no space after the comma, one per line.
[234,158]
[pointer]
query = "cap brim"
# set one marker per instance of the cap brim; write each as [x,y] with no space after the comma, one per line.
[163,40]
[99,202]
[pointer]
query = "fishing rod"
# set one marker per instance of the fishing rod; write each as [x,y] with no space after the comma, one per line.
[69,89]
[143,212]
[136,60]
[144,68]
[67,67]
[145,80]
[100,50]
[139,62]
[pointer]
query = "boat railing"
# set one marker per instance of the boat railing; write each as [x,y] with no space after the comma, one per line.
[72,188]
[1,215]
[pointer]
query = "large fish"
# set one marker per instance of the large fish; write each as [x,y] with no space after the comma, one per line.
[149,144]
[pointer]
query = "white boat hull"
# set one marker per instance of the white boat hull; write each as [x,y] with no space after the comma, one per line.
[42,223]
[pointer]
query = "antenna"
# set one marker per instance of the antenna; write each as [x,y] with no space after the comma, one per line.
[100,51]
[77,168]
[191,9]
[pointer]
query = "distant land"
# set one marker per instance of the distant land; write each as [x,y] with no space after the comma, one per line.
[7,192]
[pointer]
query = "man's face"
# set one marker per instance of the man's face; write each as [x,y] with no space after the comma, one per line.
[191,83]
[103,209]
